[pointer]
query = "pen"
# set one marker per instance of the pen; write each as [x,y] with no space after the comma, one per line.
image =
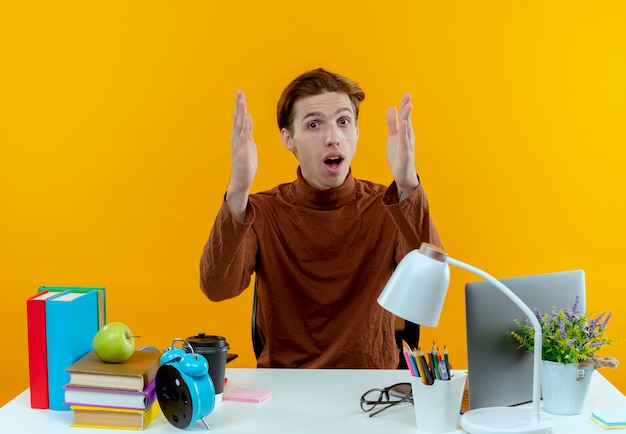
[443,371]
[427,376]
[433,365]
[408,357]
[435,361]
[409,364]
[421,370]
[445,357]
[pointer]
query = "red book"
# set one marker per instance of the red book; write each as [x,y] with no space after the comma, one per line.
[37,353]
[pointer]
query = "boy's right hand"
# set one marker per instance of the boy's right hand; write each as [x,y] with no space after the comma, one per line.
[244,159]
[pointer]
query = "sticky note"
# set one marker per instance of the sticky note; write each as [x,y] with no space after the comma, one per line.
[613,417]
[247,395]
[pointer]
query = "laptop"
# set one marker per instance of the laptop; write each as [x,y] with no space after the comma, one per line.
[499,374]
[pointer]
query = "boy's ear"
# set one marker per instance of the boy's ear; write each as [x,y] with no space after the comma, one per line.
[287,140]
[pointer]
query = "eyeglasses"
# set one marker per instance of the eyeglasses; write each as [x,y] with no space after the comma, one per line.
[377,397]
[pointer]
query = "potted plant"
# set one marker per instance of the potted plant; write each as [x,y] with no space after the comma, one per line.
[570,341]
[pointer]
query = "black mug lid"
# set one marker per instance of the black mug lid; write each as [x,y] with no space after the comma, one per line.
[203,341]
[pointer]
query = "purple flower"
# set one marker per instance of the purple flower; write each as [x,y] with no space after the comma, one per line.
[537,314]
[575,306]
[567,333]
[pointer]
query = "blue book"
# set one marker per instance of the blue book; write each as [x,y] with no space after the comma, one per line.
[71,324]
[102,298]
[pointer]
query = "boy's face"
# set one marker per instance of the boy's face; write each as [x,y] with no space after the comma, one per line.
[324,138]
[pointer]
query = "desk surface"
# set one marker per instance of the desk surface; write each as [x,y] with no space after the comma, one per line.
[303,401]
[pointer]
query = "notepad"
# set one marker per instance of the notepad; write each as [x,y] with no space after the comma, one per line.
[247,395]
[613,418]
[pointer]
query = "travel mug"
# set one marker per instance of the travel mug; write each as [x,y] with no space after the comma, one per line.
[214,349]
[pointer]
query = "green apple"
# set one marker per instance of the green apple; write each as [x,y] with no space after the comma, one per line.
[114,342]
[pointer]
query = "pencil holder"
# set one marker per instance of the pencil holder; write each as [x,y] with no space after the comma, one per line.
[438,406]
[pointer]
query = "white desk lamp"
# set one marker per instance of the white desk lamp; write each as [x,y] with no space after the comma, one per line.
[416,292]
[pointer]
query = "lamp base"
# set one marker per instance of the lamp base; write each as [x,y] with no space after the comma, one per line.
[505,420]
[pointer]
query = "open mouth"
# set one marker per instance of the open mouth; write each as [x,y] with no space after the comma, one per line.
[333,162]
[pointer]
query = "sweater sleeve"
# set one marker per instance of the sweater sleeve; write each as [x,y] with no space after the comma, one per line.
[228,258]
[413,220]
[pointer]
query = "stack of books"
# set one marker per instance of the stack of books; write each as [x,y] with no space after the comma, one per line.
[62,322]
[113,395]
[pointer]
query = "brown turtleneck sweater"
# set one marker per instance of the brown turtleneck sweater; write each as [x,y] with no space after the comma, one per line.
[321,259]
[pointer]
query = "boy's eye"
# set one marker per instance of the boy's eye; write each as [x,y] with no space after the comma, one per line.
[344,121]
[313,125]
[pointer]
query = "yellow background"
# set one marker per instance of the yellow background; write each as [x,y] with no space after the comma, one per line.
[114,144]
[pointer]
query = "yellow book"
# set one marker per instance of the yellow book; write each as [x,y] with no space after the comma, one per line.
[115,418]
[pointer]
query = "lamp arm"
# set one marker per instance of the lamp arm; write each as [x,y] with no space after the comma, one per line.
[533,319]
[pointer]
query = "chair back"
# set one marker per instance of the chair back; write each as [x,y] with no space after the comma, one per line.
[404,331]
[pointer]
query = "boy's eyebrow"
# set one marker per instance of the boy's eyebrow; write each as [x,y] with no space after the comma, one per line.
[318,114]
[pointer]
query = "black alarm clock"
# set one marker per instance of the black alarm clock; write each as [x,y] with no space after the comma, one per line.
[184,389]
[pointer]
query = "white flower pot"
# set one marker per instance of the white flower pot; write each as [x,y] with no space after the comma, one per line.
[564,387]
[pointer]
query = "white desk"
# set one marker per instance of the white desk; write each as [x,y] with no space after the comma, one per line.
[303,401]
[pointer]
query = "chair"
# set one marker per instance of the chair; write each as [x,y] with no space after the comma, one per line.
[404,330]
[408,332]
[257,344]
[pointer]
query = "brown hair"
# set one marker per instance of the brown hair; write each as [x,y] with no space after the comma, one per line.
[311,83]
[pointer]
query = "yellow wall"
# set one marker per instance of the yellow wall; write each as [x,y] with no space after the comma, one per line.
[115,125]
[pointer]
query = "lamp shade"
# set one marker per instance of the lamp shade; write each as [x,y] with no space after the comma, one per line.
[417,288]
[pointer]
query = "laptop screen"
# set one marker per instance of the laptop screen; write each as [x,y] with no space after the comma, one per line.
[499,373]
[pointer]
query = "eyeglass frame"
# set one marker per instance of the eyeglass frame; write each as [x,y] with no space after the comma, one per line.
[384,392]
